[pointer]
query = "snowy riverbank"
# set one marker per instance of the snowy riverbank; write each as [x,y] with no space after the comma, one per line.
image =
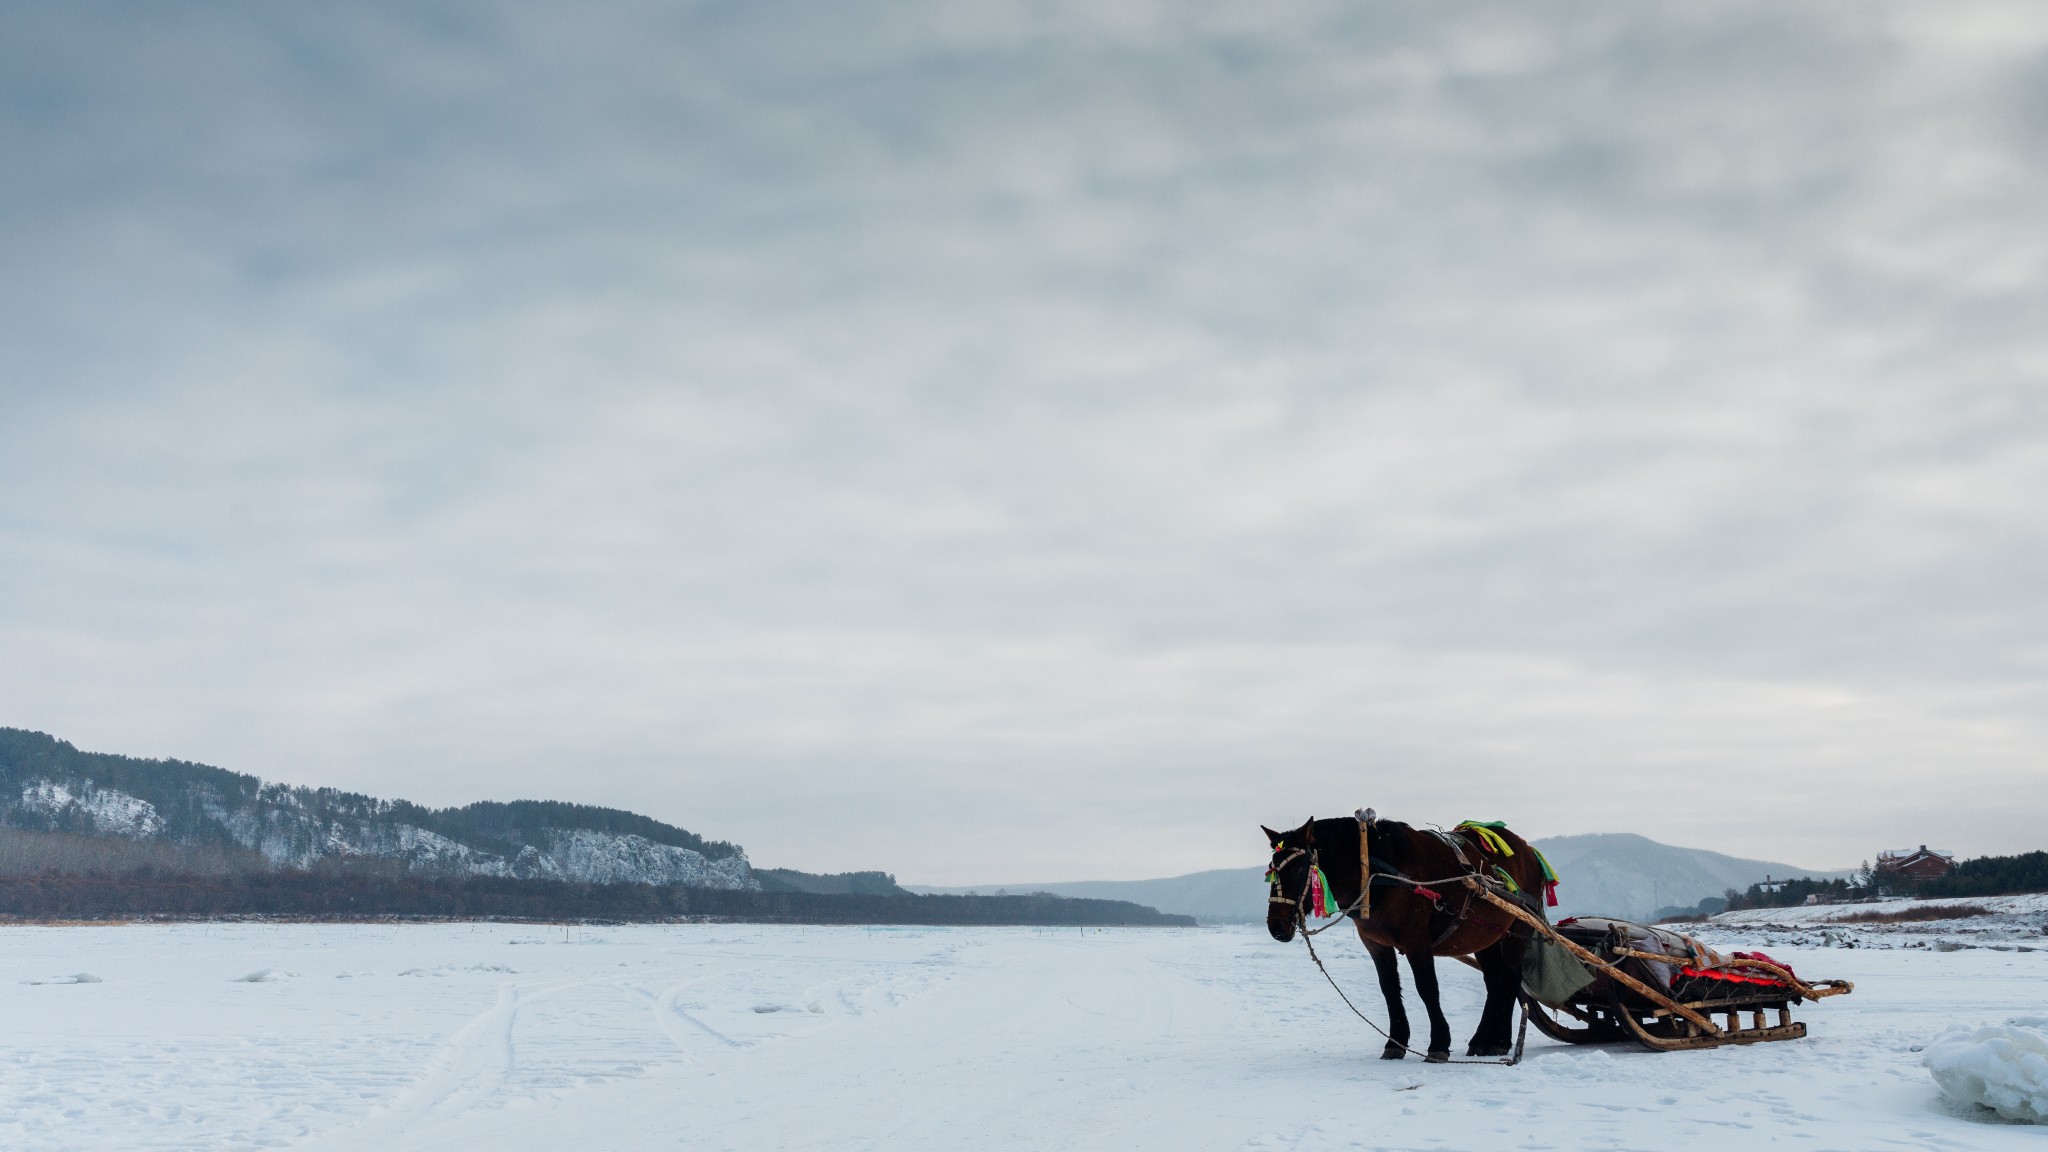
[716,1037]
[2005,924]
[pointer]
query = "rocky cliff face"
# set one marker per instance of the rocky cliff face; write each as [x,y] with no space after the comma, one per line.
[48,785]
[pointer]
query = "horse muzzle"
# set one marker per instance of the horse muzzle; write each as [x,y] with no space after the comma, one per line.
[1280,922]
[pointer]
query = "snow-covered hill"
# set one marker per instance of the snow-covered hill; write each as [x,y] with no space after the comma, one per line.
[47,785]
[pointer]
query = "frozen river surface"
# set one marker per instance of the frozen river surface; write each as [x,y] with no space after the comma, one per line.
[507,1037]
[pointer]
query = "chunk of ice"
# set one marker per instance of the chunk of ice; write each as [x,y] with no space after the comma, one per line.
[2004,1069]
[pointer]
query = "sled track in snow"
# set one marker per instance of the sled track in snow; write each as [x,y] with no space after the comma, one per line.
[667,1011]
[472,1066]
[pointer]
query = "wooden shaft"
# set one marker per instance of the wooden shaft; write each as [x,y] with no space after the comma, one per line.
[1660,957]
[1613,970]
[1364,871]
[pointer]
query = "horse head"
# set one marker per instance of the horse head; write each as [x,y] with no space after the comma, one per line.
[1287,878]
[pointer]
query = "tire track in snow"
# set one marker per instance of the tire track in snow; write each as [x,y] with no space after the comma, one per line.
[666,1011]
[471,1066]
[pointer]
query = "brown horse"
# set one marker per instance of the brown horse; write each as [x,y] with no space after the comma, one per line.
[1419,908]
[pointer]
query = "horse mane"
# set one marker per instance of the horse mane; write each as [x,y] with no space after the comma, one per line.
[1393,844]
[1392,840]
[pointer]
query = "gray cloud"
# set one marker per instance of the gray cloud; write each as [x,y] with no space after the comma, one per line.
[1042,440]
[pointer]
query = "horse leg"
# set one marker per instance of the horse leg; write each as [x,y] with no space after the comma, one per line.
[1503,974]
[1390,986]
[1423,966]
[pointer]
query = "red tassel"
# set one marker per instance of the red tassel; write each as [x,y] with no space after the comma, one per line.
[1421,891]
[1550,893]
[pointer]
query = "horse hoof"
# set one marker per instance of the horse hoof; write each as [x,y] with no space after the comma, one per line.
[1485,1050]
[1443,1057]
[1393,1052]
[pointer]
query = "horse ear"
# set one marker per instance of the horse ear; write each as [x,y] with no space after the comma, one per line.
[1272,837]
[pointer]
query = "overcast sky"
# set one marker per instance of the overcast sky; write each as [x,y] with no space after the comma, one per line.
[1039,441]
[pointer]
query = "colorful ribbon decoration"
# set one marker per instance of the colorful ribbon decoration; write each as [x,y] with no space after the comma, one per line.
[1319,893]
[1489,831]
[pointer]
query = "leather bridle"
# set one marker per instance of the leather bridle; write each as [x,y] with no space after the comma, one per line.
[1273,877]
[1360,907]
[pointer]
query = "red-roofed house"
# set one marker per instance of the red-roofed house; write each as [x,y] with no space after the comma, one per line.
[1922,863]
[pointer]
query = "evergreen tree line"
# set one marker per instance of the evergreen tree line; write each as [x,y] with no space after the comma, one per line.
[357,895]
[1787,893]
[1982,876]
[1991,876]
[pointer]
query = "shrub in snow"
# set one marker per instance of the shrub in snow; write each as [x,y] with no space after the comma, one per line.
[2004,1069]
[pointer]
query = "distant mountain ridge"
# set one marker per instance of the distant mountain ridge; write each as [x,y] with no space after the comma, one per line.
[48,785]
[1612,873]
[1623,874]
[1221,896]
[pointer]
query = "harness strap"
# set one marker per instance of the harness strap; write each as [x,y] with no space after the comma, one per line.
[1458,919]
[1457,846]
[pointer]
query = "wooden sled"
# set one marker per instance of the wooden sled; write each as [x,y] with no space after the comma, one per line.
[1664,1000]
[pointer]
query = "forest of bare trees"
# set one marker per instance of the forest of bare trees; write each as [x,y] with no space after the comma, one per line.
[29,853]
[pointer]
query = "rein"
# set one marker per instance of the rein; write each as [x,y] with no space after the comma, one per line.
[1366,877]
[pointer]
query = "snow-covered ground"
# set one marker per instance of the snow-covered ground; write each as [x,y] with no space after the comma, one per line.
[502,1037]
[2009,923]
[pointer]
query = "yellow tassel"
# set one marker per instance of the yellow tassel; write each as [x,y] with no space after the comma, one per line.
[1490,836]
